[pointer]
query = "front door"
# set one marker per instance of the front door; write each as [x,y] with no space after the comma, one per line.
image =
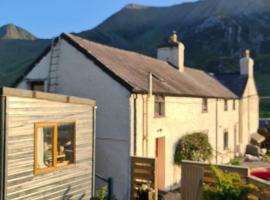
[160,156]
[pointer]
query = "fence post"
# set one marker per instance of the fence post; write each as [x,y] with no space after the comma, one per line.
[110,188]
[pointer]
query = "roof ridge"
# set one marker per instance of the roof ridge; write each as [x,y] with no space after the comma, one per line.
[116,48]
[130,52]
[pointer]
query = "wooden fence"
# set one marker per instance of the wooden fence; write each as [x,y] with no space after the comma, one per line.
[195,174]
[264,188]
[143,171]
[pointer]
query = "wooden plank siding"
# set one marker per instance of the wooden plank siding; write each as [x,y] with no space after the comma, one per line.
[143,170]
[75,180]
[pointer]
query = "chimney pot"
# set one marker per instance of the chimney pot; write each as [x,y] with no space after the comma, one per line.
[246,53]
[174,38]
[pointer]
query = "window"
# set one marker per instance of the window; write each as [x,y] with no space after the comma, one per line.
[234,104]
[225,105]
[226,140]
[54,146]
[37,85]
[65,144]
[204,105]
[159,106]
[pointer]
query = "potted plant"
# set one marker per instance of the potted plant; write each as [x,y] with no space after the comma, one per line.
[145,192]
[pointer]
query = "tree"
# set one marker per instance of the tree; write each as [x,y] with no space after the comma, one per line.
[193,147]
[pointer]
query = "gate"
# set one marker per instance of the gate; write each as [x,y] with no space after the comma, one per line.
[191,182]
[143,174]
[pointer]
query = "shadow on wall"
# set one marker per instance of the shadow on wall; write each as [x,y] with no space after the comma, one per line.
[68,196]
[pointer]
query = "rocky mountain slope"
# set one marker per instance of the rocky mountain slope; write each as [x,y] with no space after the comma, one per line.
[214,31]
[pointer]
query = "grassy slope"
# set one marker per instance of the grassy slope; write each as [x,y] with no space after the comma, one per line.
[263,84]
[16,55]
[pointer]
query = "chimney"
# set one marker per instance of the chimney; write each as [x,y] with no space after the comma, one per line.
[173,52]
[247,64]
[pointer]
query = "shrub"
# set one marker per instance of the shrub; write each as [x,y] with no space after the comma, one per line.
[102,193]
[193,147]
[235,162]
[228,186]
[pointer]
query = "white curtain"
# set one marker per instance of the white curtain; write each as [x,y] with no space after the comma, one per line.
[40,148]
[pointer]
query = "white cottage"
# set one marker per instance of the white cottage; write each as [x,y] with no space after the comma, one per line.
[146,105]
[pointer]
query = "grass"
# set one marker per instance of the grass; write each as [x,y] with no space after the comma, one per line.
[265,108]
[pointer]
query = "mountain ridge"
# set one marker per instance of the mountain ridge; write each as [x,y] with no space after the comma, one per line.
[214,33]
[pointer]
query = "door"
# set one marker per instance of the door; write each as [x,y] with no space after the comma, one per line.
[160,157]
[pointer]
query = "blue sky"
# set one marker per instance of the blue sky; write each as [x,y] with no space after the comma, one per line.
[47,18]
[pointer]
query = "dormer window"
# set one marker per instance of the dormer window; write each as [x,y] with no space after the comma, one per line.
[159,106]
[204,105]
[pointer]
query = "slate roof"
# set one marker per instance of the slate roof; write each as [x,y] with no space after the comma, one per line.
[235,82]
[132,70]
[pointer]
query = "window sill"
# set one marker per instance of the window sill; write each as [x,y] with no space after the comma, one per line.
[53,169]
[159,116]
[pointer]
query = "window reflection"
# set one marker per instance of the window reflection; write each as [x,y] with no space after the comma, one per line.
[65,146]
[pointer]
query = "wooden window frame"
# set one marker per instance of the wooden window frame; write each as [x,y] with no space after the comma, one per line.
[53,125]
[159,100]
[204,105]
[54,148]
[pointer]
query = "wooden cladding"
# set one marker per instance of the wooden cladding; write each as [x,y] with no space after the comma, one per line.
[74,180]
[143,172]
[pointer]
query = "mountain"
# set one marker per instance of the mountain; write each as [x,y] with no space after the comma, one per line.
[10,31]
[18,48]
[214,32]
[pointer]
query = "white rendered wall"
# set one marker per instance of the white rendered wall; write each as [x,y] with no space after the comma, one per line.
[249,112]
[79,76]
[184,116]
[40,71]
[174,55]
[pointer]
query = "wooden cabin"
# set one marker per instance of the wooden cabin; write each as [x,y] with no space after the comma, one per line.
[47,146]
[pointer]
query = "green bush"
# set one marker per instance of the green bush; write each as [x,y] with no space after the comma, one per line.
[236,162]
[228,186]
[102,194]
[193,147]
